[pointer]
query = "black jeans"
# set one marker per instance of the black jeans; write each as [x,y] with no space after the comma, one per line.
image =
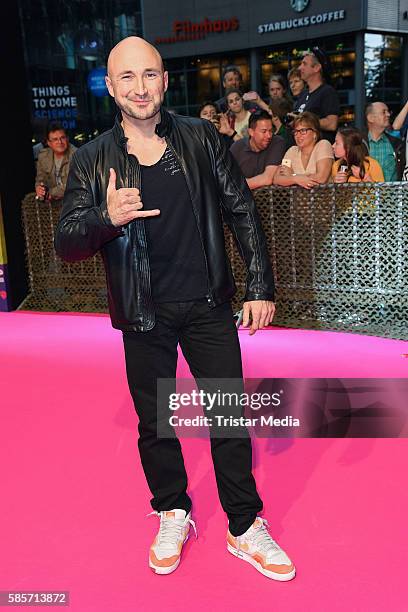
[209,341]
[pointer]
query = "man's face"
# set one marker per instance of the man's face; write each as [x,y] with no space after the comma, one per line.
[137,81]
[379,116]
[308,67]
[231,80]
[58,142]
[261,134]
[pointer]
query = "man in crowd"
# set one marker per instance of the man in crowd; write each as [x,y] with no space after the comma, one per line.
[53,164]
[151,194]
[386,149]
[319,97]
[261,153]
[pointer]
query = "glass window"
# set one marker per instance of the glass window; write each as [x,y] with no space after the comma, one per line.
[64,41]
[176,96]
[382,61]
[202,79]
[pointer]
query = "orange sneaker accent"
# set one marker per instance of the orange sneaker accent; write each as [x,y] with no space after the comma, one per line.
[257,547]
[280,569]
[165,552]
[166,562]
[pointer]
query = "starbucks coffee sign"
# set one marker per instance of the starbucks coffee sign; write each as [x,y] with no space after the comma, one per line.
[301,22]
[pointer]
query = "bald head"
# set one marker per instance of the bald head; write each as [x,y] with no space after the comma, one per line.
[136,78]
[130,47]
[377,116]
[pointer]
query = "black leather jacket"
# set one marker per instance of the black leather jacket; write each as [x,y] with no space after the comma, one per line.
[217,189]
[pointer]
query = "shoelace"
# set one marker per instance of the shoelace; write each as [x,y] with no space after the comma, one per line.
[169,528]
[261,537]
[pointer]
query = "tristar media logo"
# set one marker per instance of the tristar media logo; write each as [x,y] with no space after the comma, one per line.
[299,5]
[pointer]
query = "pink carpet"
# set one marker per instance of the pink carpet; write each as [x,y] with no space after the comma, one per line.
[74,498]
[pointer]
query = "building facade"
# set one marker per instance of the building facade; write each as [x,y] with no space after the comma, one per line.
[366,41]
[67,41]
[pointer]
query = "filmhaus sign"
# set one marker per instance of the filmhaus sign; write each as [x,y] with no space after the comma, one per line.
[184,31]
[301,22]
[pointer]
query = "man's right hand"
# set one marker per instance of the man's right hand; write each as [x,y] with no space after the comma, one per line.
[124,204]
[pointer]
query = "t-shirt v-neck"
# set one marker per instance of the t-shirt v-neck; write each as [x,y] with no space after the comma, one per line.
[176,257]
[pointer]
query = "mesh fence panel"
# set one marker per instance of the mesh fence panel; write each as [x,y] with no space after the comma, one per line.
[338,254]
[54,284]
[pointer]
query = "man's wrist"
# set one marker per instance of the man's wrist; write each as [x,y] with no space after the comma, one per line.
[234,133]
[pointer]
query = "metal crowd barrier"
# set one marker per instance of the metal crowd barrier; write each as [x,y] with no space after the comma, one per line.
[338,254]
[54,284]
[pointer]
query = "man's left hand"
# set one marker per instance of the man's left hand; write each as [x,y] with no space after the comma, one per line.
[261,312]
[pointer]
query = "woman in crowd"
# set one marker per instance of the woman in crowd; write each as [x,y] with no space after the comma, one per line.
[296,83]
[209,111]
[238,115]
[277,89]
[279,110]
[353,164]
[309,162]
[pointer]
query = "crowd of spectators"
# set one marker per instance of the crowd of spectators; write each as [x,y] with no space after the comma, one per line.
[290,137]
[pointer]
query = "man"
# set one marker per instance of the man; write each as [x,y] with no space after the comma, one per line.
[231,79]
[149,193]
[320,98]
[261,153]
[386,149]
[53,164]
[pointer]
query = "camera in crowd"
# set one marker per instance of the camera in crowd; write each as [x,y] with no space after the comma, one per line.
[44,198]
[290,117]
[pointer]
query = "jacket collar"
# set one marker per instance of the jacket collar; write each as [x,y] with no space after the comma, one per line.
[118,132]
[163,128]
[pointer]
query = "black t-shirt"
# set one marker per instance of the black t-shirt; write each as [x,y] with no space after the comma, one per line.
[176,256]
[323,101]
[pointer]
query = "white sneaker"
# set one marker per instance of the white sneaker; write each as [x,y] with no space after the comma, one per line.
[257,547]
[165,552]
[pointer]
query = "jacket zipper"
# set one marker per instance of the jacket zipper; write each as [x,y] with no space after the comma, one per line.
[137,179]
[210,299]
